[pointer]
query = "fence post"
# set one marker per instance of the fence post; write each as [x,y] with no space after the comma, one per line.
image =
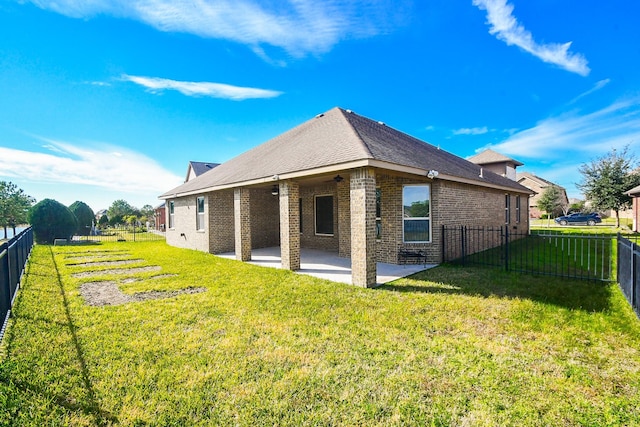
[443,237]
[462,246]
[506,248]
[634,248]
[6,280]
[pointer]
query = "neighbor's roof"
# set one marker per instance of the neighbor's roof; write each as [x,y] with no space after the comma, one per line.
[489,156]
[635,191]
[199,168]
[541,181]
[338,140]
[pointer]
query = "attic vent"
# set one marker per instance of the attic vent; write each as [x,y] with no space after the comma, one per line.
[381,123]
[319,115]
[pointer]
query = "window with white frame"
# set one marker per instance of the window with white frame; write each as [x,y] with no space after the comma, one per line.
[171,215]
[518,209]
[416,213]
[507,209]
[324,215]
[200,213]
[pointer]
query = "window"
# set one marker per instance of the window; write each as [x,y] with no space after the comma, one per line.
[416,213]
[324,215]
[378,215]
[300,213]
[518,209]
[507,209]
[171,215]
[200,213]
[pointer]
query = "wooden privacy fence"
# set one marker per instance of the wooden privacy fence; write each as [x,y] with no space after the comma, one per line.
[576,256]
[13,258]
[629,271]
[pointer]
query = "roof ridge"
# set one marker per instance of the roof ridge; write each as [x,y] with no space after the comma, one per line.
[355,130]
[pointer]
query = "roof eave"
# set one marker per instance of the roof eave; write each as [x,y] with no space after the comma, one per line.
[337,168]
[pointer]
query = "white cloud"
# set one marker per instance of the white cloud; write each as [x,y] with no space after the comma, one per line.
[106,168]
[506,28]
[213,90]
[471,131]
[575,134]
[599,85]
[298,26]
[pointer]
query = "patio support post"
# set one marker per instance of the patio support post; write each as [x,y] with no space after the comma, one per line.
[363,227]
[290,225]
[242,222]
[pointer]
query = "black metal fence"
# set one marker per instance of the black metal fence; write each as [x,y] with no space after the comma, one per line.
[629,271]
[578,256]
[13,257]
[122,234]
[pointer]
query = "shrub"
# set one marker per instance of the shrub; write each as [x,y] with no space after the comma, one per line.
[51,220]
[84,215]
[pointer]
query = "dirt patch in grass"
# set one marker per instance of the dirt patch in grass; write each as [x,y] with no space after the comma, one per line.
[116,271]
[106,263]
[108,293]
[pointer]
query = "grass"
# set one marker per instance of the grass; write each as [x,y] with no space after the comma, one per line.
[607,226]
[449,346]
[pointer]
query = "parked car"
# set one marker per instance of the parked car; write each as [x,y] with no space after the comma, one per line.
[579,218]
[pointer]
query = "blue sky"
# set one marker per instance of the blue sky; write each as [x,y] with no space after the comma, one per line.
[109,99]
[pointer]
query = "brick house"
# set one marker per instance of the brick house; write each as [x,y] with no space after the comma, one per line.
[538,186]
[634,193]
[343,183]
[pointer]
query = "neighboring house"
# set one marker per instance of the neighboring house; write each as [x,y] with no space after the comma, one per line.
[196,169]
[160,217]
[343,183]
[538,186]
[634,193]
[496,163]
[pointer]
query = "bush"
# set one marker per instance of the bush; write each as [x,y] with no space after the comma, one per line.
[85,217]
[52,220]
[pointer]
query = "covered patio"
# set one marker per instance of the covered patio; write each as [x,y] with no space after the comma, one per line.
[328,265]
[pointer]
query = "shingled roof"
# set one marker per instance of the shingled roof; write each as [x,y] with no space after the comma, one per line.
[489,156]
[201,167]
[337,140]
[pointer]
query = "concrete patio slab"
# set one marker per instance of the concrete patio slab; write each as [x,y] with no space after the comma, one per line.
[328,265]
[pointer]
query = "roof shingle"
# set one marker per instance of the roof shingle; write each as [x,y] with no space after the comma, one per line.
[334,138]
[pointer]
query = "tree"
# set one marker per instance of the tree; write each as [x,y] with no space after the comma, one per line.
[14,206]
[605,180]
[550,200]
[121,208]
[85,216]
[51,219]
[103,221]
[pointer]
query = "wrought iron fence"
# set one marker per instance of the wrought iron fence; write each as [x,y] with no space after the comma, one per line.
[14,254]
[629,271]
[579,256]
[122,234]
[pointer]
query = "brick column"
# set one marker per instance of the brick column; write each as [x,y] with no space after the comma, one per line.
[242,223]
[290,225]
[344,219]
[363,227]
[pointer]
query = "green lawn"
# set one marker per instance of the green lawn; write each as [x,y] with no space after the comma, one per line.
[450,346]
[607,226]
